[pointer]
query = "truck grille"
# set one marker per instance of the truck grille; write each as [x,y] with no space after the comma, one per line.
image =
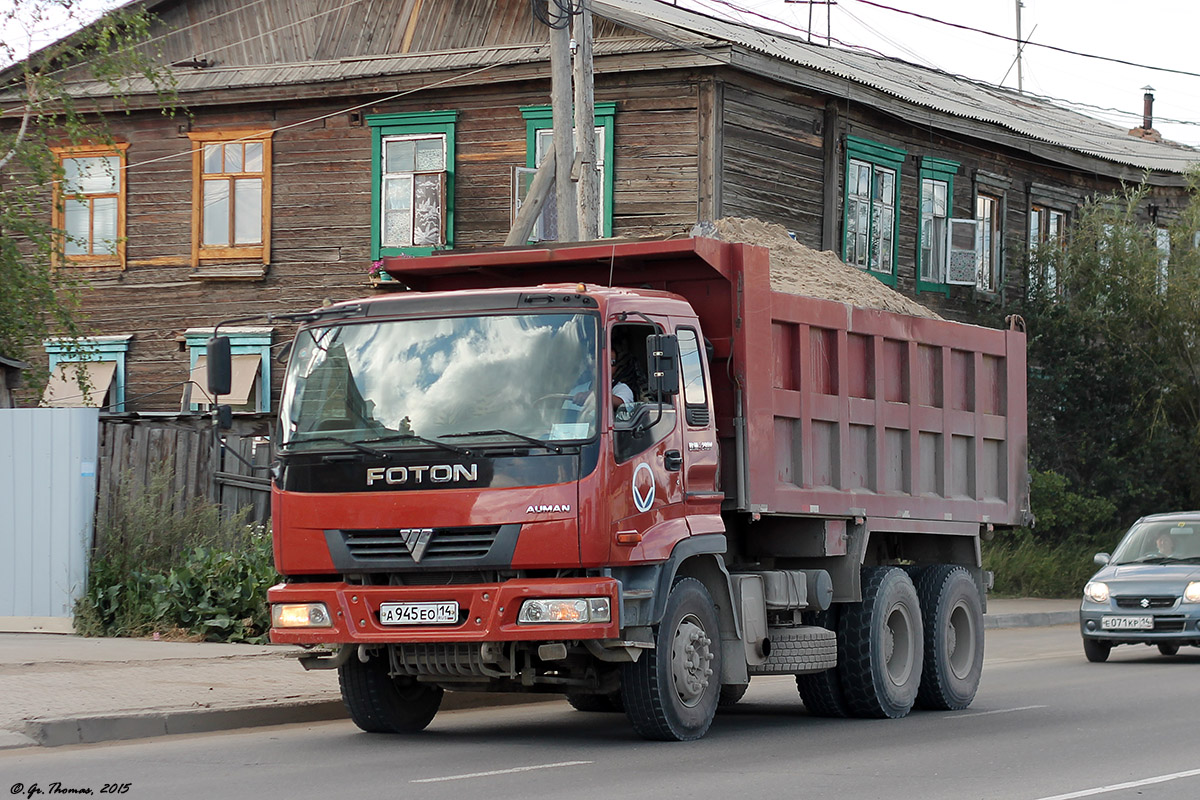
[1145,601]
[367,545]
[424,549]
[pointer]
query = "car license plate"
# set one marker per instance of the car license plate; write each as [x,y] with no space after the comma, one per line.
[443,613]
[1127,623]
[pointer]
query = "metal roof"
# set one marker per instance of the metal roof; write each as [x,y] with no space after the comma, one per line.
[663,27]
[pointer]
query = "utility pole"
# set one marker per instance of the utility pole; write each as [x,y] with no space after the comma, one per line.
[588,177]
[560,100]
[1020,45]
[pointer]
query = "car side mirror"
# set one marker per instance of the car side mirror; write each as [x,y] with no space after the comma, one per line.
[662,354]
[1102,559]
[219,356]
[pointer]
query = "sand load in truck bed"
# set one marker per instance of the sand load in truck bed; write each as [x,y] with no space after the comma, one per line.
[797,269]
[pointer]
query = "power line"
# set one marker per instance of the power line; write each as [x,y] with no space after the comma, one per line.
[1028,43]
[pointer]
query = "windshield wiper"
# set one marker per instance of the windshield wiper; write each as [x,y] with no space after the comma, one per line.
[402,437]
[371,451]
[501,432]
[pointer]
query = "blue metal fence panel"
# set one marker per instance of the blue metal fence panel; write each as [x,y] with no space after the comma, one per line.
[47,506]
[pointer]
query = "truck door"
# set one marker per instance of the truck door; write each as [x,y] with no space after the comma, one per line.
[646,486]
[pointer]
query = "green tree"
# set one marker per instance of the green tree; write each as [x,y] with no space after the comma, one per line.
[40,107]
[1114,379]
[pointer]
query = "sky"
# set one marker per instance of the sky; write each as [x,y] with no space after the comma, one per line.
[1150,33]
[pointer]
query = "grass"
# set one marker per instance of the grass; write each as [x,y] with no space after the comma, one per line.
[1025,566]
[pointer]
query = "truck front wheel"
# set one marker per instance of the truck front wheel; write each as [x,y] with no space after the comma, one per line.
[953,616]
[882,645]
[670,692]
[379,703]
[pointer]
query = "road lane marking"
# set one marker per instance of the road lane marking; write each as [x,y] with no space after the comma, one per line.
[1116,787]
[997,711]
[503,771]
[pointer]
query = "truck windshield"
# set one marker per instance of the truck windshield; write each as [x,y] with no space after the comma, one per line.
[471,379]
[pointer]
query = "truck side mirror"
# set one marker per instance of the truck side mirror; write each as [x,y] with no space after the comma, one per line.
[662,354]
[220,366]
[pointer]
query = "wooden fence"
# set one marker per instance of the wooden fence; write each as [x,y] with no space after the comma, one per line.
[185,447]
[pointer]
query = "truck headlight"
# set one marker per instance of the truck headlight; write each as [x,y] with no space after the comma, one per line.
[569,609]
[300,615]
[1096,591]
[1192,593]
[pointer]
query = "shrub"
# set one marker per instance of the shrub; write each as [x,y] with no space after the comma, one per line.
[165,566]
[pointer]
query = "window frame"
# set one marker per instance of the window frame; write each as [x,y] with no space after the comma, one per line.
[93,348]
[410,124]
[878,156]
[540,118]
[935,170]
[58,207]
[231,252]
[242,341]
[994,251]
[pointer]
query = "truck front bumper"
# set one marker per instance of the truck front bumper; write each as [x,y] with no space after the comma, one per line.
[486,612]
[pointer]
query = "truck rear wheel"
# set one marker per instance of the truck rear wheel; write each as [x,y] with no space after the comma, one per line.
[670,692]
[595,702]
[379,703]
[881,655]
[952,613]
[821,692]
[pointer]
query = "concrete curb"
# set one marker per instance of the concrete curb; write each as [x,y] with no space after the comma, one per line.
[1033,619]
[92,729]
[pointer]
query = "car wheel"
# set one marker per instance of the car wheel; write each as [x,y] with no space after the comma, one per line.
[1096,650]
[1168,648]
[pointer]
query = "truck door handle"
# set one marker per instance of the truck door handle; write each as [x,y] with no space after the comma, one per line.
[673,460]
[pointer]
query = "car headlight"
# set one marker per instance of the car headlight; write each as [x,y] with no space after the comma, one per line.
[1096,591]
[569,609]
[300,615]
[1192,593]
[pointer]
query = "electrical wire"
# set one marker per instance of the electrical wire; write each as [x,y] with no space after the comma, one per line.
[1026,42]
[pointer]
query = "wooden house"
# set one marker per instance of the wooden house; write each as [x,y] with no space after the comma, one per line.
[321,137]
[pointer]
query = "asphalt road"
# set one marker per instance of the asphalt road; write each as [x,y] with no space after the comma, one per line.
[1046,724]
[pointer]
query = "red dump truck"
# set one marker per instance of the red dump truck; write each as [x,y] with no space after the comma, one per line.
[635,474]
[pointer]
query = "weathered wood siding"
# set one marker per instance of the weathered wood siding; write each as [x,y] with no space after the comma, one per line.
[771,158]
[321,200]
[299,31]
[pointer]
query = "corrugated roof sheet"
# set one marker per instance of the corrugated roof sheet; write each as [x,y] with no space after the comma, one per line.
[1029,116]
[666,27]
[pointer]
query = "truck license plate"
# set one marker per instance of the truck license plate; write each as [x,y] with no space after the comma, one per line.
[443,613]
[1127,623]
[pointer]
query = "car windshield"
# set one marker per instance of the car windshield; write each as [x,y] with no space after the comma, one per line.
[1159,542]
[457,382]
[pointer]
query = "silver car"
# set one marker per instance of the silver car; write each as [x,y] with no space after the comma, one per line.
[1148,591]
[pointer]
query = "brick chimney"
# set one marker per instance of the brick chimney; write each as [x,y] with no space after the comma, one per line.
[1147,130]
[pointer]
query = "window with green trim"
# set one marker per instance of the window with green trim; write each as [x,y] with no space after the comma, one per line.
[933,234]
[872,194]
[539,140]
[412,182]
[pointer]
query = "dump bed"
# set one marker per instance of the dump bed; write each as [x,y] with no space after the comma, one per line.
[823,409]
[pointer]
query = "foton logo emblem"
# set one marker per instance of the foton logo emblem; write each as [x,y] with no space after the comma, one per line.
[416,540]
[422,473]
